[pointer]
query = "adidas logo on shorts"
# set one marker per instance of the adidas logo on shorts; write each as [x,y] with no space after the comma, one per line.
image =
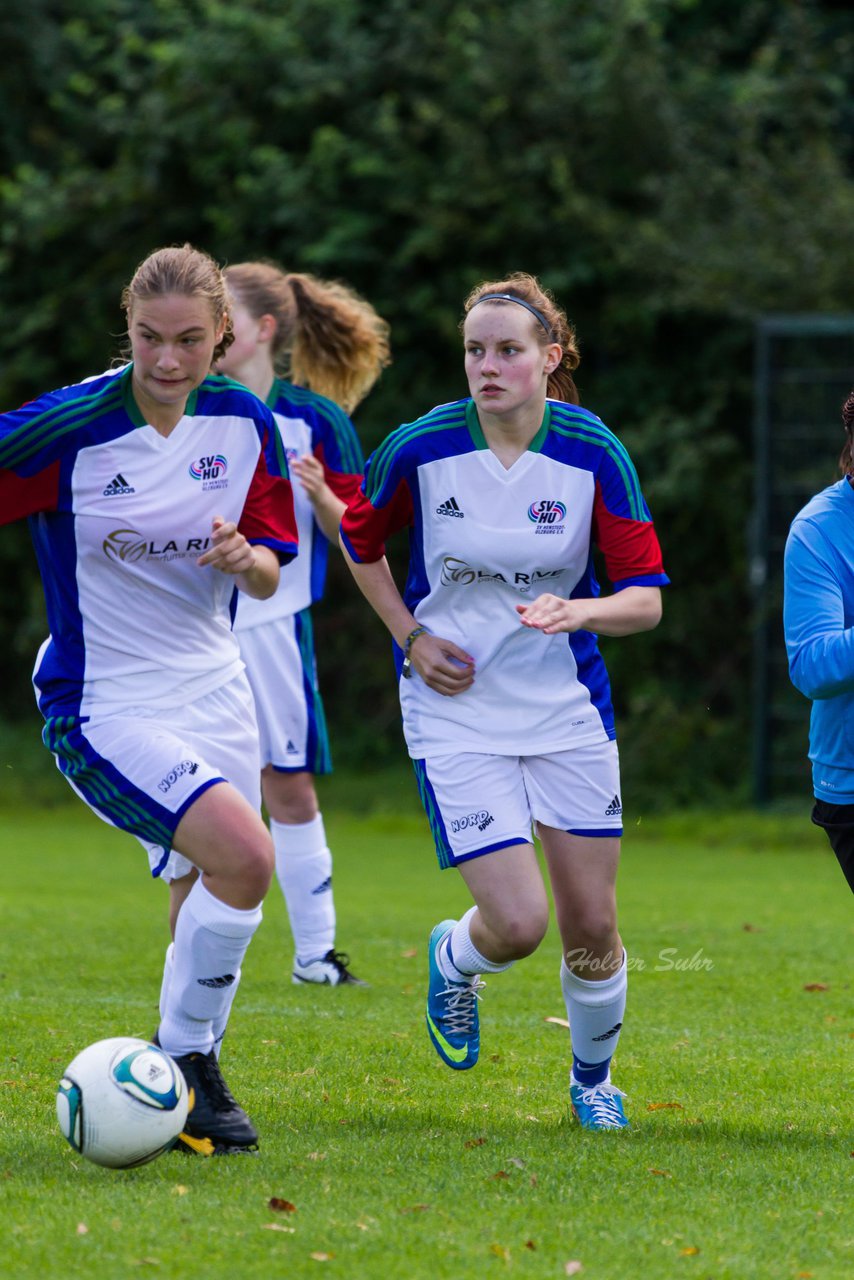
[614,808]
[450,508]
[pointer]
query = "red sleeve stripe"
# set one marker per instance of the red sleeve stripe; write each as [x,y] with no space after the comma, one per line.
[366,528]
[22,496]
[630,547]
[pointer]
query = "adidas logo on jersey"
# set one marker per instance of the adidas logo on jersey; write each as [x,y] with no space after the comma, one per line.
[450,508]
[614,808]
[117,487]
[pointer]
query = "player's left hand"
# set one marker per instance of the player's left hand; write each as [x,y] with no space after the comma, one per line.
[551,614]
[229,551]
[310,474]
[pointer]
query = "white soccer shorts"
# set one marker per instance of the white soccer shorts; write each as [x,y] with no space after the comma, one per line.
[140,769]
[282,671]
[478,803]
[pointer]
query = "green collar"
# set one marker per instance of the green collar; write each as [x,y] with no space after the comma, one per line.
[132,408]
[476,431]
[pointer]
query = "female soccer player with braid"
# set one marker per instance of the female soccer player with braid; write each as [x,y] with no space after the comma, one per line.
[333,346]
[505,697]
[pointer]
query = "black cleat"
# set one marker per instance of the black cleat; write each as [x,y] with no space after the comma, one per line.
[216,1125]
[329,971]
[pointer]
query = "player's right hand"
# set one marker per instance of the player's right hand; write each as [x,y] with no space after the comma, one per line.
[442,665]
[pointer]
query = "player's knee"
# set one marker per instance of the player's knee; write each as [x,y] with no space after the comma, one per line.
[595,925]
[253,863]
[522,931]
[289,797]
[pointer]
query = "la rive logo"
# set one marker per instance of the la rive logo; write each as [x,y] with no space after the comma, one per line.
[548,515]
[127,546]
[456,572]
[210,471]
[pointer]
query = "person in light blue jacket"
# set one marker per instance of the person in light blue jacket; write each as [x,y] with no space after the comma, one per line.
[818,618]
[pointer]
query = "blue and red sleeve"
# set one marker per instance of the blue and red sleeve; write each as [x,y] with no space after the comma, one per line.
[268,514]
[365,528]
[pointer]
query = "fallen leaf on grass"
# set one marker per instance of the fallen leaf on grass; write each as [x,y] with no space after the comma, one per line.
[415,1208]
[309,1071]
[816,986]
[664,1106]
[572,1267]
[281,1206]
[502,1173]
[520,1164]
[317,1155]
[690,1252]
[179,1190]
[322,1257]
[660,1173]
[82,1229]
[751,928]
[500,1251]
[474,1142]
[410,953]
[277,1226]
[558,1022]
[529,1244]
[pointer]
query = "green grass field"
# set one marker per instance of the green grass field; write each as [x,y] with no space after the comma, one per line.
[736,1057]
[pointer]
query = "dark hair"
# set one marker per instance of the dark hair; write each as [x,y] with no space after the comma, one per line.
[846,457]
[561,384]
[327,338]
[188,272]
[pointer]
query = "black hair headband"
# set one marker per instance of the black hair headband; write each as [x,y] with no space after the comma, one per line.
[520,302]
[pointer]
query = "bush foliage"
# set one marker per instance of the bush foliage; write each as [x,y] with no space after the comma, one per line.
[670,168]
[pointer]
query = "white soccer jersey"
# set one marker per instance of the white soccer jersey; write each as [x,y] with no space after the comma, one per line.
[120,516]
[308,423]
[482,539]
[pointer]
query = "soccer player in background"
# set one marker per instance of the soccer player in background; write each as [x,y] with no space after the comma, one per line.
[506,701]
[156,492]
[818,619]
[333,342]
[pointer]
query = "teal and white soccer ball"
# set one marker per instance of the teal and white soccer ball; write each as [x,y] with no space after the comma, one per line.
[122,1102]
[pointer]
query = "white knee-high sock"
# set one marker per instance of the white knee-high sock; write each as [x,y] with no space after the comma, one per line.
[221,1021]
[459,959]
[304,871]
[595,1011]
[211,939]
[166,979]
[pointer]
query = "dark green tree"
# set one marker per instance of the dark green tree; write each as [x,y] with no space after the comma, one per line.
[670,168]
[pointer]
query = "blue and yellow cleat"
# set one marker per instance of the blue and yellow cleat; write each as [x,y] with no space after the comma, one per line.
[452,1017]
[598,1106]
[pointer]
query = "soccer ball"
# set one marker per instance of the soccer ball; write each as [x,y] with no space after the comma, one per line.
[122,1102]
